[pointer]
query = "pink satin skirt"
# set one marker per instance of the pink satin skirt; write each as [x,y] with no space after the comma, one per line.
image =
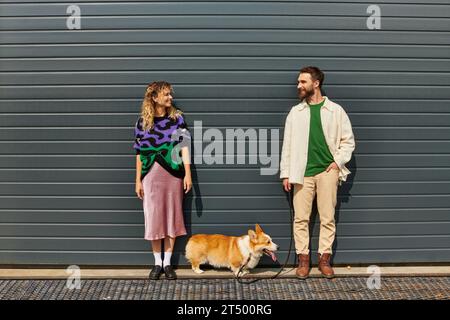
[163,204]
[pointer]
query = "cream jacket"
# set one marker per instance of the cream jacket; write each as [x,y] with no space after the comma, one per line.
[338,134]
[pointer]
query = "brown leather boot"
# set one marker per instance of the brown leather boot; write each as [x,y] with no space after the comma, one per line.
[302,271]
[324,265]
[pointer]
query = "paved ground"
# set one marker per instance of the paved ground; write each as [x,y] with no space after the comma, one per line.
[345,288]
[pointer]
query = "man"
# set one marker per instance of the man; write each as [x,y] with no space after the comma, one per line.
[318,142]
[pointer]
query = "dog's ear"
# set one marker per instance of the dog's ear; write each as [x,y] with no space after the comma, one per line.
[252,235]
[258,229]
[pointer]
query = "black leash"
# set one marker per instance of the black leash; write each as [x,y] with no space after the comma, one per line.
[291,210]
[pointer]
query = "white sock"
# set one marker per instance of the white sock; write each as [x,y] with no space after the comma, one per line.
[158,261]
[167,256]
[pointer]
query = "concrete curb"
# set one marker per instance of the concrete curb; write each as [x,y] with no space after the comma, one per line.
[89,273]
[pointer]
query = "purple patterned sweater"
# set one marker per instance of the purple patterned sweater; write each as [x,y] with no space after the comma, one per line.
[162,144]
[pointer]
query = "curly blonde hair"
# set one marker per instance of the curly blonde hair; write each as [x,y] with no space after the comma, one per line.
[148,105]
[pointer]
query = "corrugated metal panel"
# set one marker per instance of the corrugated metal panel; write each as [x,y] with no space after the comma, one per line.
[69,100]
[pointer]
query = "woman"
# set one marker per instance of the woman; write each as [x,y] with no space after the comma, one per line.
[161,176]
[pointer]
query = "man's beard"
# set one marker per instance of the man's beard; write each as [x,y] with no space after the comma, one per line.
[305,94]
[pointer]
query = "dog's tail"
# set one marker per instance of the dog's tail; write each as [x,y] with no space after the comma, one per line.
[188,250]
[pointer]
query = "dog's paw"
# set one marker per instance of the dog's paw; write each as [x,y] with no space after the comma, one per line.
[242,273]
[199,271]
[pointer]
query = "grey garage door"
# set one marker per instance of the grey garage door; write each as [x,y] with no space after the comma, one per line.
[70,98]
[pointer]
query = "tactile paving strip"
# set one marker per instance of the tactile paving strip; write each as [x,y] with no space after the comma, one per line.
[348,288]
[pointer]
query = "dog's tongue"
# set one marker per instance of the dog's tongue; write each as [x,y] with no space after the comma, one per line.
[272,255]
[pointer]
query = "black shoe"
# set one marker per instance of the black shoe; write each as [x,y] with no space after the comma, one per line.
[170,274]
[155,273]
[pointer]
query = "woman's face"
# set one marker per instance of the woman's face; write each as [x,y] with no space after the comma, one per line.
[164,98]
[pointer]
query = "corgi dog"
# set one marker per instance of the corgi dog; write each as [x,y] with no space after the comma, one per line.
[231,252]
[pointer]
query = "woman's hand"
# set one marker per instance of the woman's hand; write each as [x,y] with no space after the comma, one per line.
[187,183]
[139,189]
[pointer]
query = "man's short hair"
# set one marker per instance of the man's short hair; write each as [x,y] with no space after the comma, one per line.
[316,74]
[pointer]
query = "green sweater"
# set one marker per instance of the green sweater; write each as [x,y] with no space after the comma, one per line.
[319,156]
